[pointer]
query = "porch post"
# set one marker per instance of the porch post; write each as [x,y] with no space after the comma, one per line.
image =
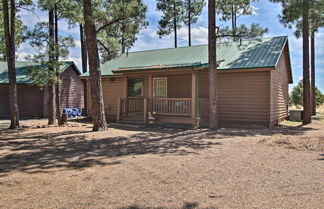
[145,112]
[119,109]
[125,86]
[150,93]
[193,97]
[126,93]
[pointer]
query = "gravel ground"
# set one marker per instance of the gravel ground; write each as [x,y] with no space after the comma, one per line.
[71,167]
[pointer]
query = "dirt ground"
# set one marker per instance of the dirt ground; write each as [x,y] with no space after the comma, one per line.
[71,167]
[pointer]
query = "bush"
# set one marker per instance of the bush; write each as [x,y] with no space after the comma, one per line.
[296,96]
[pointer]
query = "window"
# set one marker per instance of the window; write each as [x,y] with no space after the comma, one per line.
[135,87]
[160,87]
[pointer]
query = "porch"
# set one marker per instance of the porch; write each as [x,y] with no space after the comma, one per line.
[159,100]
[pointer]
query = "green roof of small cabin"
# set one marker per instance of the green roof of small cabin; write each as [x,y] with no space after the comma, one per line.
[250,54]
[21,71]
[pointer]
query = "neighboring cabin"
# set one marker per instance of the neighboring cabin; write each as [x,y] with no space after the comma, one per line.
[33,100]
[253,79]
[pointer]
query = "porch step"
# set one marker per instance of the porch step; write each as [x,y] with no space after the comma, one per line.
[133,118]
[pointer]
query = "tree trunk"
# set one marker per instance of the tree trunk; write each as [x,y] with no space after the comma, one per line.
[175,25]
[213,97]
[58,76]
[98,111]
[9,30]
[189,22]
[306,81]
[84,55]
[313,93]
[51,58]
[84,59]
[233,18]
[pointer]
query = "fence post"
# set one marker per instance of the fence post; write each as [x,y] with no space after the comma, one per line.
[145,111]
[119,108]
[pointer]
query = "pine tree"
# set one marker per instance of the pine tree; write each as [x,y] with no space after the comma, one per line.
[118,24]
[192,10]
[213,97]
[50,32]
[316,21]
[299,13]
[98,113]
[231,10]
[296,96]
[20,30]
[9,23]
[171,19]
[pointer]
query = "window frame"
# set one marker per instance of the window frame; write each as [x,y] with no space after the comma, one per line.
[166,86]
[128,86]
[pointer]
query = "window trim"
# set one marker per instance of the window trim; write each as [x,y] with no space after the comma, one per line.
[142,94]
[166,86]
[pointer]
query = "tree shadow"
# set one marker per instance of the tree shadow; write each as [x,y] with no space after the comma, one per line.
[65,150]
[186,205]
[41,152]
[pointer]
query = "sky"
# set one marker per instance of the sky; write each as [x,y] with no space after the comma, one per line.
[266,14]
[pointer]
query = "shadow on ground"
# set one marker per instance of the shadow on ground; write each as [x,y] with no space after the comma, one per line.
[41,151]
[186,205]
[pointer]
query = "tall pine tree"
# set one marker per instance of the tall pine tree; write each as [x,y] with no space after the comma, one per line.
[171,19]
[192,10]
[212,67]
[294,14]
[118,24]
[98,111]
[316,21]
[9,23]
[231,10]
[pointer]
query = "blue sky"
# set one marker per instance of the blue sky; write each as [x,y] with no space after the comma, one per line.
[266,14]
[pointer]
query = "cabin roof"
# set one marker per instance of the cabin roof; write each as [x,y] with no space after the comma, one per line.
[249,54]
[22,70]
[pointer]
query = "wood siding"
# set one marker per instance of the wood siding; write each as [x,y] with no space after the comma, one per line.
[30,101]
[72,95]
[179,86]
[112,90]
[279,91]
[72,91]
[243,97]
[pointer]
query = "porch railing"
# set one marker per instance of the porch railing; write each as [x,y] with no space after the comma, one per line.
[135,105]
[161,106]
[131,105]
[172,106]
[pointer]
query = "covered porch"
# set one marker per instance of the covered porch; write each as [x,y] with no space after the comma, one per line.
[163,97]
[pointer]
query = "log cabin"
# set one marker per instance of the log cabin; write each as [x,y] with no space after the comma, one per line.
[172,84]
[32,99]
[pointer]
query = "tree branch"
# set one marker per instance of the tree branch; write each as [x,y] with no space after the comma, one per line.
[104,46]
[117,20]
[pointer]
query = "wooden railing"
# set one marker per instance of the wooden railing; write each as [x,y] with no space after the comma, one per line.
[130,105]
[172,106]
[135,105]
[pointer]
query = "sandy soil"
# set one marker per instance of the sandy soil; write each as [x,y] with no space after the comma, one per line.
[71,167]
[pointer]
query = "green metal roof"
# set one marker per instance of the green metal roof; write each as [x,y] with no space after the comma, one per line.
[230,55]
[21,71]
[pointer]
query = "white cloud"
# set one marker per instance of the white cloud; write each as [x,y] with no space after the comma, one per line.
[199,35]
[21,56]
